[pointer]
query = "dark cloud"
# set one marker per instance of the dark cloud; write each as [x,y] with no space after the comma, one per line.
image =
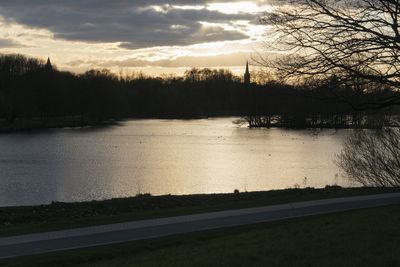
[200,35]
[7,43]
[131,22]
[104,4]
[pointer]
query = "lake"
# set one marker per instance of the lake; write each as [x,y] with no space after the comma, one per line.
[163,157]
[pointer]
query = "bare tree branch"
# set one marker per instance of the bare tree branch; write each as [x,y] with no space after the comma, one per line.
[358,38]
[372,158]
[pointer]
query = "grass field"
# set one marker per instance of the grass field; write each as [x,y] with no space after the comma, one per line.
[29,219]
[368,237]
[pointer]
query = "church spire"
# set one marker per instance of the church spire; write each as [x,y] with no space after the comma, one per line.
[48,64]
[247,74]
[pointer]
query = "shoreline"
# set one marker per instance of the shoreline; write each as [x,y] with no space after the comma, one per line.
[36,124]
[61,215]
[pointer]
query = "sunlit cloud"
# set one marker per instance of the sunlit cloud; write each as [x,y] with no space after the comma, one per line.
[79,35]
[235,7]
[195,7]
[9,43]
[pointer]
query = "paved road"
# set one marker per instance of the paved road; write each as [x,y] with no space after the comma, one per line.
[122,232]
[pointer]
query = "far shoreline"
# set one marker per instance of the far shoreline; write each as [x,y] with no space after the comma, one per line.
[27,125]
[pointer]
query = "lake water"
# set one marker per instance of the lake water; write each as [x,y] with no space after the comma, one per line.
[163,157]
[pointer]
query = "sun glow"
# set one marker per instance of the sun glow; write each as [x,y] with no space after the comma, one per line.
[238,7]
[189,7]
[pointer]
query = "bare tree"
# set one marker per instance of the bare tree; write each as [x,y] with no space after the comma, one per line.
[357,38]
[358,43]
[372,158]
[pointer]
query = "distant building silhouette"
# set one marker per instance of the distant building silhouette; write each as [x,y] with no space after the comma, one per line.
[48,65]
[247,74]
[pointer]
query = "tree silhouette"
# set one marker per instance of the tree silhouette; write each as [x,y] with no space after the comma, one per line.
[372,158]
[359,39]
[38,96]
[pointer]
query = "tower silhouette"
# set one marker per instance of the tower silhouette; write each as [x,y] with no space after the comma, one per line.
[48,65]
[247,74]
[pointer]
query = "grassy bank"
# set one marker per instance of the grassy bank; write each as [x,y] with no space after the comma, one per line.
[366,237]
[29,219]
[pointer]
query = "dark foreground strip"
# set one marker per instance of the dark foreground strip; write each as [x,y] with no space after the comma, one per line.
[42,243]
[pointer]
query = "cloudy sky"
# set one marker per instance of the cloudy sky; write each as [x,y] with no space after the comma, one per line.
[152,36]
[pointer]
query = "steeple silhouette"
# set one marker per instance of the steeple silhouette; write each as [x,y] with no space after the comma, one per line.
[247,74]
[48,65]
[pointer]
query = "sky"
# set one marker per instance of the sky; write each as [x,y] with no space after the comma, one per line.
[126,36]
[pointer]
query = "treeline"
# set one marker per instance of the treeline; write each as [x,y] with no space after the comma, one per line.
[32,90]
[332,102]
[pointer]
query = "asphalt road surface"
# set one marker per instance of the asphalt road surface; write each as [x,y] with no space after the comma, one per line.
[116,233]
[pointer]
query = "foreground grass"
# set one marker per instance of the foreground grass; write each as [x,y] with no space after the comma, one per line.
[368,237]
[29,219]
